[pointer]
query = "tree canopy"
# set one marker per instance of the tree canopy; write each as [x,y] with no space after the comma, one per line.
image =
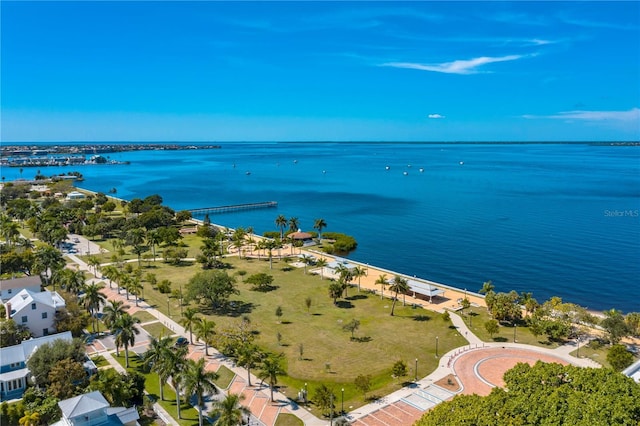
[546,394]
[212,287]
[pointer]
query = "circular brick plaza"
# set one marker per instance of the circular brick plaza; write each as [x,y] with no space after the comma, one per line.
[479,370]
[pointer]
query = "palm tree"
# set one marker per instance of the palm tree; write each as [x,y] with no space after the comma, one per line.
[112,312]
[135,238]
[359,272]
[319,224]
[281,222]
[399,285]
[125,282]
[487,286]
[271,245]
[205,331]
[110,272]
[321,263]
[250,239]
[294,224]
[94,263]
[71,281]
[229,410]
[9,229]
[198,381]
[249,355]
[173,365]
[48,260]
[154,358]
[93,298]
[382,281]
[189,319]
[125,331]
[345,277]
[135,287]
[270,369]
[153,238]
[239,235]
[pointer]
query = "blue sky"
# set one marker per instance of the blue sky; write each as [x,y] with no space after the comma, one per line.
[234,71]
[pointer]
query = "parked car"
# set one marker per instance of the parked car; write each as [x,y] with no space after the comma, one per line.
[180,342]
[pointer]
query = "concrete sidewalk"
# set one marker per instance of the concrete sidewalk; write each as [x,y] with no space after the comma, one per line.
[444,366]
[177,329]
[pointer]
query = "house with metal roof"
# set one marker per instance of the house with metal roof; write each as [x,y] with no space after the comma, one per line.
[92,409]
[35,310]
[9,288]
[13,364]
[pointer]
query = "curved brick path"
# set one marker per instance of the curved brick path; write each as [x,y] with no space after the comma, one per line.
[482,369]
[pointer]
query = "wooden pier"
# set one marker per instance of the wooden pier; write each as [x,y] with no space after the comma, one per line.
[236,207]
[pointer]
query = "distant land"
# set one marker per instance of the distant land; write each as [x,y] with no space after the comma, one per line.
[54,148]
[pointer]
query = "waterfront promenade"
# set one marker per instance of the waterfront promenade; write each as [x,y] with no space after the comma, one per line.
[399,408]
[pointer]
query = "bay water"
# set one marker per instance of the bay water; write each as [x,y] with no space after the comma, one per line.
[552,219]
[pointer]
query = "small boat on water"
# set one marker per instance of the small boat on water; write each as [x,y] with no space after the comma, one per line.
[421,170]
[247,173]
[462,163]
[387,168]
[405,173]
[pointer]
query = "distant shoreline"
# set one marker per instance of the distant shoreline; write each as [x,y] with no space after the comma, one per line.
[183,145]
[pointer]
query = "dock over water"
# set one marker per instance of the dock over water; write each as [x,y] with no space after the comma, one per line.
[232,208]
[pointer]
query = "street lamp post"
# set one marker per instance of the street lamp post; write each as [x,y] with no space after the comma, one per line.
[180,300]
[305,393]
[515,331]
[436,346]
[168,308]
[342,404]
[416,371]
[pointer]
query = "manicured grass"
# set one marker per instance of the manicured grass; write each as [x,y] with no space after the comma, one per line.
[410,334]
[152,386]
[99,361]
[285,419]
[156,329]
[479,316]
[144,316]
[226,376]
[597,353]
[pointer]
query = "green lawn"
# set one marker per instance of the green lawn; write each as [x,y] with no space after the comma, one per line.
[99,361]
[156,329]
[479,316]
[152,386]
[226,376]
[285,419]
[144,316]
[329,355]
[410,334]
[597,352]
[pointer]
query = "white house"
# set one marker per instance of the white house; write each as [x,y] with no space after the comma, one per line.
[92,409]
[9,288]
[13,364]
[35,310]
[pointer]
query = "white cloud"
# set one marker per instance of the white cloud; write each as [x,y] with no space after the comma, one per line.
[627,116]
[456,67]
[435,116]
